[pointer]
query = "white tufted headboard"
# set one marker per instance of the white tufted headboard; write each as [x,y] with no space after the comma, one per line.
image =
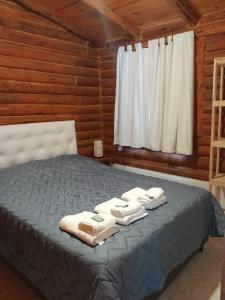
[26,142]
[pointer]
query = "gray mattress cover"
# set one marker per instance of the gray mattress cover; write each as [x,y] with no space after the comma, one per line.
[130,265]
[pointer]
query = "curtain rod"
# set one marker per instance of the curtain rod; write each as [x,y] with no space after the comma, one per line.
[145,43]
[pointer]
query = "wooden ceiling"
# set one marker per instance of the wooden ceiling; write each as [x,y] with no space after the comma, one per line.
[102,21]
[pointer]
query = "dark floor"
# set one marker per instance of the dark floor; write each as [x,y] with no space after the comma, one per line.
[13,286]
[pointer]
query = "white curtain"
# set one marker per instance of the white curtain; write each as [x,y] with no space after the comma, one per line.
[154,95]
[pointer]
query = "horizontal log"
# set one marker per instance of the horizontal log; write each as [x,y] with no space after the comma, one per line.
[84,62]
[204,140]
[216,44]
[203,163]
[84,126]
[203,151]
[89,82]
[209,57]
[92,51]
[8,34]
[86,100]
[40,66]
[108,65]
[85,143]
[86,151]
[207,129]
[7,120]
[108,140]
[144,154]
[86,91]
[12,86]
[86,72]
[33,65]
[106,52]
[157,166]
[108,125]
[210,29]
[164,168]
[37,76]
[38,109]
[108,100]
[108,108]
[108,83]
[108,92]
[107,132]
[14,98]
[108,74]
[27,51]
[108,117]
[108,58]
[83,135]
[111,150]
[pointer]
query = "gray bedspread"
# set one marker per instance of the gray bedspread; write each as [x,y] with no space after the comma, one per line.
[131,264]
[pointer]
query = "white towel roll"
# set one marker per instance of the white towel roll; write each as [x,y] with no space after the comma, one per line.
[138,211]
[155,193]
[133,194]
[89,225]
[70,224]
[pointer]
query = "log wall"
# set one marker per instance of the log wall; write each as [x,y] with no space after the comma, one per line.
[47,74]
[196,166]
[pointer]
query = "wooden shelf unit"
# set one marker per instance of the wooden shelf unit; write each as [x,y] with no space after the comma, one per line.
[217,140]
[218,181]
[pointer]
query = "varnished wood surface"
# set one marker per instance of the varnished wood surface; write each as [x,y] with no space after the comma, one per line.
[47,74]
[142,16]
[107,160]
[13,286]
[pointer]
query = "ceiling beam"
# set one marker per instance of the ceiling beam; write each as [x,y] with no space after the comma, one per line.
[36,7]
[102,9]
[185,11]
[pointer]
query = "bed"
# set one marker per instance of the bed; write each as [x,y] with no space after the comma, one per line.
[42,179]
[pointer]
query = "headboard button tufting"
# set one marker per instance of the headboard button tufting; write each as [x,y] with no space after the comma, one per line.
[25,142]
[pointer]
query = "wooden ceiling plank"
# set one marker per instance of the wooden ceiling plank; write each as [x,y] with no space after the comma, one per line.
[211,23]
[185,11]
[36,7]
[101,8]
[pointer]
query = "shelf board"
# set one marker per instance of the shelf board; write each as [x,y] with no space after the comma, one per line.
[219,103]
[220,61]
[218,181]
[219,143]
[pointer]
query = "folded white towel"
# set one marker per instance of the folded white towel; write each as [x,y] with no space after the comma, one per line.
[108,207]
[121,208]
[133,194]
[155,193]
[153,203]
[70,225]
[150,199]
[126,220]
[91,226]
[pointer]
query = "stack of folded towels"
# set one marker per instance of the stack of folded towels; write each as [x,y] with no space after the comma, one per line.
[90,227]
[94,228]
[150,199]
[124,212]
